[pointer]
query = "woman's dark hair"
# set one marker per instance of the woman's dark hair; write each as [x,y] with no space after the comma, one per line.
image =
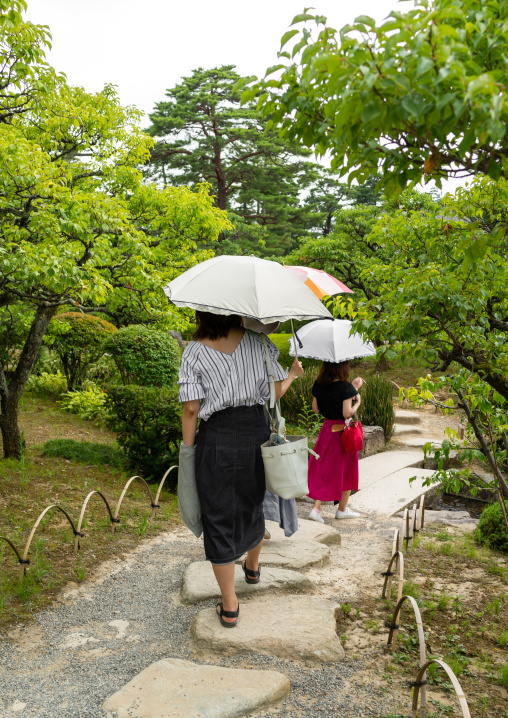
[215,326]
[330,372]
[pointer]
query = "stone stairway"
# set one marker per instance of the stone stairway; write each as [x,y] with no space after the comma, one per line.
[408,432]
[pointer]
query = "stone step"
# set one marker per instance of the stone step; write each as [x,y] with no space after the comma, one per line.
[173,688]
[199,584]
[406,429]
[293,554]
[291,627]
[307,531]
[402,416]
[377,467]
[416,442]
[392,493]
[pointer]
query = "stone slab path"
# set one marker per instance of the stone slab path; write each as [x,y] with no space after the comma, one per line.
[307,531]
[392,493]
[106,632]
[172,688]
[199,584]
[294,554]
[294,627]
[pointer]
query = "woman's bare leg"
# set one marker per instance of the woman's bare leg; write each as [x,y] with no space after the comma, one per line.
[317,505]
[225,576]
[344,500]
[252,560]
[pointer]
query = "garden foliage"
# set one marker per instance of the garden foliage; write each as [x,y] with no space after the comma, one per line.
[85,452]
[88,403]
[148,425]
[491,529]
[78,339]
[47,384]
[144,356]
[421,95]
[376,408]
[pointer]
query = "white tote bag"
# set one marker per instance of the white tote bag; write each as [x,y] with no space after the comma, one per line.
[285,458]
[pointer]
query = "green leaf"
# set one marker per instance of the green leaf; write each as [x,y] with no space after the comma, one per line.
[287,37]
[303,17]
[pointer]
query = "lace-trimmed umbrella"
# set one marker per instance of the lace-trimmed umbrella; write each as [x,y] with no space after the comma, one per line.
[331,341]
[247,286]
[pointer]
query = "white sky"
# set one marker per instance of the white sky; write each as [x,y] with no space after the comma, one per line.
[146,47]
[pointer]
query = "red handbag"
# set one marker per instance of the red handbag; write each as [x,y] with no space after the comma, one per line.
[352,437]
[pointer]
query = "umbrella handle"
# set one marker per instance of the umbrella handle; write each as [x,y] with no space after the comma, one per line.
[296,340]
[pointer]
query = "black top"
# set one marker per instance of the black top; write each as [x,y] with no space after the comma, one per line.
[330,398]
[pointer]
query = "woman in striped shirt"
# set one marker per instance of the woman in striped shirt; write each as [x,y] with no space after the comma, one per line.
[224,382]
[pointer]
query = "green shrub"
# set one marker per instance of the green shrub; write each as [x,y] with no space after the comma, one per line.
[148,425]
[47,384]
[491,529]
[77,339]
[85,452]
[296,401]
[377,405]
[144,356]
[88,404]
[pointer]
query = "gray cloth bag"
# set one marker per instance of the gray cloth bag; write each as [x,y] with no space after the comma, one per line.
[188,500]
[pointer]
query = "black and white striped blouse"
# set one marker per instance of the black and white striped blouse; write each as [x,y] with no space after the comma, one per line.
[222,380]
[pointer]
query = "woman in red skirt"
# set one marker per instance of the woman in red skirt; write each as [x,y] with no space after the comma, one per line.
[335,475]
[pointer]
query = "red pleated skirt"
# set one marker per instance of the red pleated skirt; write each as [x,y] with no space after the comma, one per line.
[336,470]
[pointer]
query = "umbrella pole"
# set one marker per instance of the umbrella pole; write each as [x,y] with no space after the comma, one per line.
[295,339]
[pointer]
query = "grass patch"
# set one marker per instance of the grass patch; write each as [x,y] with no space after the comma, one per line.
[29,486]
[85,452]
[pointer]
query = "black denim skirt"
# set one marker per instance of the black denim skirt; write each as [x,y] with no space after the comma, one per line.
[230,480]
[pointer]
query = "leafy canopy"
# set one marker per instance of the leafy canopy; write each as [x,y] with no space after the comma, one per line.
[421,96]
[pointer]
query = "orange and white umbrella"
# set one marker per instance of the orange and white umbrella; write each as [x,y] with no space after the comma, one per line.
[321,283]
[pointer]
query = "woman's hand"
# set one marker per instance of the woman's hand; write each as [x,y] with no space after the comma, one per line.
[296,369]
[357,383]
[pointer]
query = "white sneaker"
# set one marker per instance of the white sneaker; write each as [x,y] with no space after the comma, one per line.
[347,514]
[315,515]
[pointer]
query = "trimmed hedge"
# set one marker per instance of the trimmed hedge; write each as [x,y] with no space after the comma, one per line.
[144,356]
[147,421]
[491,529]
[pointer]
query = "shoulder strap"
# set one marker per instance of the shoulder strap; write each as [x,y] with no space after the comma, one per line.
[277,422]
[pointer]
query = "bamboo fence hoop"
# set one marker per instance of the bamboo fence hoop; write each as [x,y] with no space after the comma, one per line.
[405,521]
[83,509]
[422,512]
[395,550]
[129,482]
[24,562]
[156,502]
[9,542]
[454,681]
[392,641]
[398,557]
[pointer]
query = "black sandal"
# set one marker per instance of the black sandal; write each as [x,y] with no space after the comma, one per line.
[228,614]
[248,573]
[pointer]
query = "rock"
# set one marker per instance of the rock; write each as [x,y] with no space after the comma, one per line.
[307,531]
[294,554]
[448,518]
[452,462]
[407,417]
[373,441]
[172,688]
[406,429]
[294,627]
[199,584]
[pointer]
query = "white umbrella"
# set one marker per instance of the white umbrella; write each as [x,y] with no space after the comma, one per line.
[331,341]
[248,286]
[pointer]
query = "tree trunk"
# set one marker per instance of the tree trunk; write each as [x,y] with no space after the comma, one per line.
[12,387]
[328,224]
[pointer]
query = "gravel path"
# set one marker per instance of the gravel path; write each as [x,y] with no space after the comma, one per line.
[72,658]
